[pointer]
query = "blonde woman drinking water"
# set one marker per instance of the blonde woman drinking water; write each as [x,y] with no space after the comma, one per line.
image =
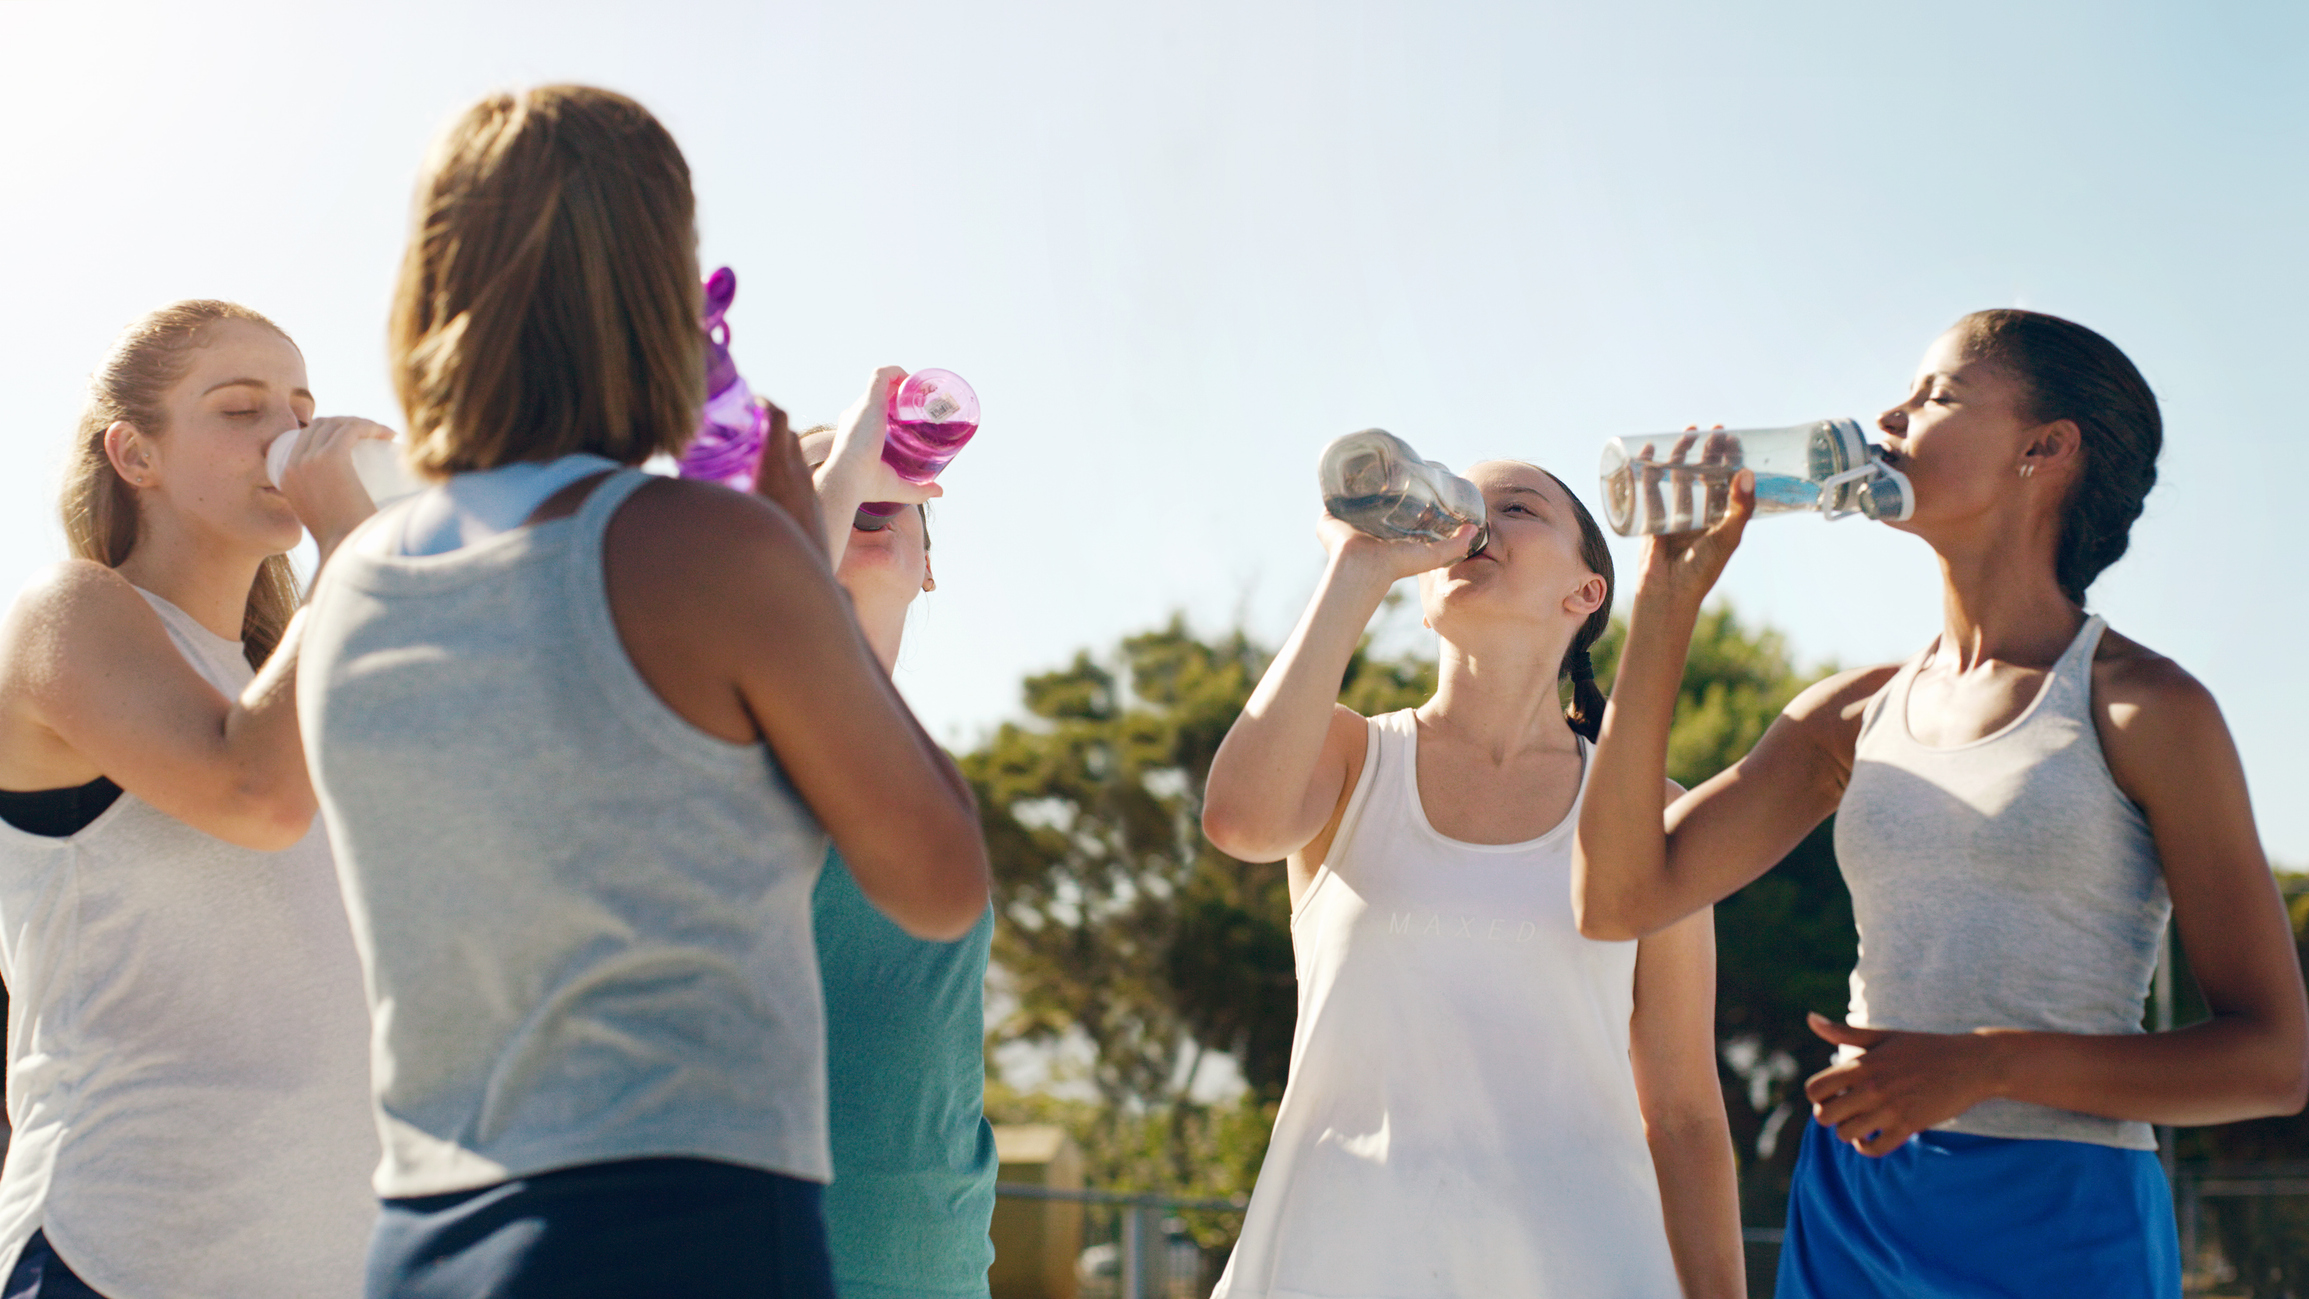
[188,1048]
[1481,1101]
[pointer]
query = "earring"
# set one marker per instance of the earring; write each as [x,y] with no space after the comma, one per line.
[2027,470]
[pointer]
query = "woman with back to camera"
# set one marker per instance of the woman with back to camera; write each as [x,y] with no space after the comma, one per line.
[914,1166]
[576,729]
[2018,810]
[188,1047]
[1481,1101]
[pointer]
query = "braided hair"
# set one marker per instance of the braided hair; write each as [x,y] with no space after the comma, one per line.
[1587,701]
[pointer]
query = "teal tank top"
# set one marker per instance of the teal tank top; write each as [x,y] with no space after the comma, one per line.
[914,1166]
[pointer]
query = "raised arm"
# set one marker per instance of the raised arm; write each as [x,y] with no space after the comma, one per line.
[853,471]
[726,606]
[1277,777]
[91,685]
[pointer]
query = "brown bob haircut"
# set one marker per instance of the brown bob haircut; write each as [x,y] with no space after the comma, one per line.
[549,299]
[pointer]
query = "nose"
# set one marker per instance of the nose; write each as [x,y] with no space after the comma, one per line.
[1893,423]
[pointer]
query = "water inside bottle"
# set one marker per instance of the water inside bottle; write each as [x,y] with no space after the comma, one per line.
[1681,482]
[918,448]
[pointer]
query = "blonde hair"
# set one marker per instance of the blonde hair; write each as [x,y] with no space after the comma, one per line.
[98,505]
[549,299]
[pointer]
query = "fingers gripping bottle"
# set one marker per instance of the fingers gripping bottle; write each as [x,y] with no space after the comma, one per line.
[1680,482]
[378,464]
[1374,482]
[732,427]
[932,416]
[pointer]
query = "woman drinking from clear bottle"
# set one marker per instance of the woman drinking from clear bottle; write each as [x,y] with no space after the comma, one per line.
[188,1048]
[2018,808]
[1481,1100]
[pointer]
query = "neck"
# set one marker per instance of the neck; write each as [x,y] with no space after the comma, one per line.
[884,623]
[1502,699]
[205,581]
[1999,599]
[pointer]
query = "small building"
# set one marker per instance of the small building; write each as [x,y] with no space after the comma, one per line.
[1036,1242]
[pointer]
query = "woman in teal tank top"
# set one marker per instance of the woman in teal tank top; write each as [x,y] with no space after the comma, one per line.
[914,1164]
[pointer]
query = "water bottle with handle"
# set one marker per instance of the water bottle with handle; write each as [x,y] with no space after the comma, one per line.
[932,415]
[733,427]
[1680,482]
[384,475]
[1374,482]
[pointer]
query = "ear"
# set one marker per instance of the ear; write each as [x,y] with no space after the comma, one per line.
[129,451]
[1588,596]
[2053,446]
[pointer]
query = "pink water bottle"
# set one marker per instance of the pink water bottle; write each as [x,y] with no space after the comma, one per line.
[733,426]
[932,415]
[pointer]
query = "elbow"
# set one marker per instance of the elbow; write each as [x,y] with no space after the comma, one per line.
[1223,829]
[1601,919]
[951,894]
[271,819]
[2288,1091]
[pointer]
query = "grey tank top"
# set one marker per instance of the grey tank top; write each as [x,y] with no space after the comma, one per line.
[584,922]
[2004,883]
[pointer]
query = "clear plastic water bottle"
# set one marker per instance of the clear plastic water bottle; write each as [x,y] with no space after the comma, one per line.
[1679,482]
[1376,483]
[932,416]
[383,474]
[733,427]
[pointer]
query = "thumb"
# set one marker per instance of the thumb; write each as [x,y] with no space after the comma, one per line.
[1843,1034]
[1740,508]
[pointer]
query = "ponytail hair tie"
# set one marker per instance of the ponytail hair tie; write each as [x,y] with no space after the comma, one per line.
[1582,668]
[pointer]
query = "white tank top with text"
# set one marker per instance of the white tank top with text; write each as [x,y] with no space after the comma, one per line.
[1461,1116]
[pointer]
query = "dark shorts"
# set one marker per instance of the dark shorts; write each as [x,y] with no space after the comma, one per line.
[1949,1215]
[690,1227]
[39,1274]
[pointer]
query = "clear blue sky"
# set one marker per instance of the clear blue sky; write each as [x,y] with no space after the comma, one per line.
[1177,247]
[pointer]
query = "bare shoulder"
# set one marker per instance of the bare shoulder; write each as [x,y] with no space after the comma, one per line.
[1831,709]
[2145,701]
[66,601]
[706,536]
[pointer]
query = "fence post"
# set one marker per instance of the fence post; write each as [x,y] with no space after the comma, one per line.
[1133,1253]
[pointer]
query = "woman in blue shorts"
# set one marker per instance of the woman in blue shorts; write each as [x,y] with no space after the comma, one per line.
[2019,809]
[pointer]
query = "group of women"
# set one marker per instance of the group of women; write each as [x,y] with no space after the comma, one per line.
[611,1017]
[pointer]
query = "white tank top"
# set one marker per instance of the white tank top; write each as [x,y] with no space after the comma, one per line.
[1461,1117]
[188,1054]
[2005,883]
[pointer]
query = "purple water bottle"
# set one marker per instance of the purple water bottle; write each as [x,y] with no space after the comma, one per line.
[932,416]
[733,426]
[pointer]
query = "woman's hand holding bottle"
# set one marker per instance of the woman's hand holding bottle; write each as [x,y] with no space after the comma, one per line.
[855,472]
[1682,567]
[321,482]
[1362,558]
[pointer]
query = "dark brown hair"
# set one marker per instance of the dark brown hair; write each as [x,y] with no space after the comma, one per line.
[132,383]
[1587,701]
[2075,374]
[549,299]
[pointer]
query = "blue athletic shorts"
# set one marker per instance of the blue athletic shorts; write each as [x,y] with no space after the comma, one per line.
[690,1227]
[39,1274]
[1954,1216]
